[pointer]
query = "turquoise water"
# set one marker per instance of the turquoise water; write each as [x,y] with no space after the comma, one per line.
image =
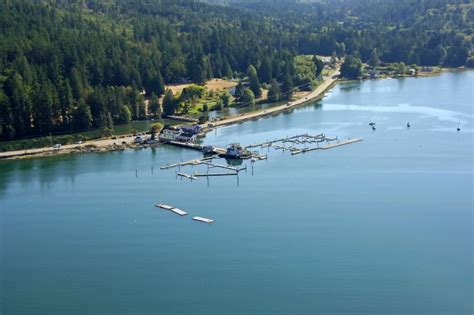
[383,226]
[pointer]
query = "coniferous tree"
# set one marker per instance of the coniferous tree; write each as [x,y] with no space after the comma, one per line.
[82,116]
[155,108]
[374,60]
[319,66]
[274,93]
[287,87]
[169,103]
[265,71]
[254,81]
[248,98]
[351,68]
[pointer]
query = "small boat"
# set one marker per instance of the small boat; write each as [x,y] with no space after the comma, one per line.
[201,219]
[408,124]
[372,124]
[373,127]
[459,124]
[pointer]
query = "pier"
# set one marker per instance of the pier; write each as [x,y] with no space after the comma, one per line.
[298,144]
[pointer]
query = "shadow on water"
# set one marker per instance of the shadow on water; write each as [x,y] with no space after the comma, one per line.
[48,170]
[234,162]
[350,86]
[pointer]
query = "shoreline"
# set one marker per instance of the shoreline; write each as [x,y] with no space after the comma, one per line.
[328,82]
[110,145]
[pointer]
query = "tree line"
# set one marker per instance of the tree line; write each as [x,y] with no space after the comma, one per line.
[68,65]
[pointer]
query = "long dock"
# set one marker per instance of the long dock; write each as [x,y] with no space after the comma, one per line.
[191,177]
[189,145]
[326,147]
[298,144]
[214,174]
[341,143]
[227,167]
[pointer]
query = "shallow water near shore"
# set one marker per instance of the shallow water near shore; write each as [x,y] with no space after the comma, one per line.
[379,226]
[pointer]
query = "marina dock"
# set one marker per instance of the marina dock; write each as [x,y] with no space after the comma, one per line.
[214,174]
[298,144]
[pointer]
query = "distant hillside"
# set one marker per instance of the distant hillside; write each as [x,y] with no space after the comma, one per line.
[74,65]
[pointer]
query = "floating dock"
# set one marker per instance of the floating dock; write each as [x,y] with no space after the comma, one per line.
[172,209]
[214,174]
[179,211]
[163,206]
[298,144]
[191,177]
[201,219]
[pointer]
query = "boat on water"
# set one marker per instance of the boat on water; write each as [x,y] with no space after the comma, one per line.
[236,151]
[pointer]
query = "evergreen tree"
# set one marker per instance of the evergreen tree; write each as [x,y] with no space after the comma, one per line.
[374,60]
[7,128]
[248,98]
[287,87]
[20,104]
[319,66]
[43,111]
[239,90]
[265,71]
[351,68]
[274,92]
[154,84]
[125,115]
[155,108]
[82,117]
[76,84]
[169,103]
[254,82]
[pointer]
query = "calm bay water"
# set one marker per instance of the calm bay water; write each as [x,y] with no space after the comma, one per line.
[383,226]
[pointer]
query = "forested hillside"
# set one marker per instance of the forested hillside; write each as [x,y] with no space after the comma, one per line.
[75,65]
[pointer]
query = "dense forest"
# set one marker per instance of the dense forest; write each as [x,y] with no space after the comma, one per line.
[69,65]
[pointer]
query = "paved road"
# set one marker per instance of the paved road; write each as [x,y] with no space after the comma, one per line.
[327,81]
